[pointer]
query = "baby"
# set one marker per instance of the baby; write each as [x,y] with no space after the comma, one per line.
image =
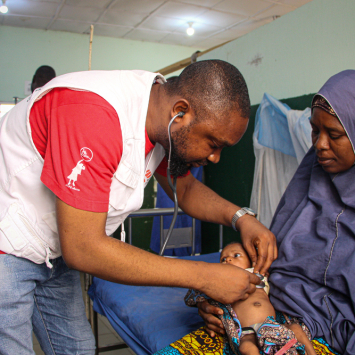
[255,315]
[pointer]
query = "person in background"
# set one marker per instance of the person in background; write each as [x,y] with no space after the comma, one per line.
[42,75]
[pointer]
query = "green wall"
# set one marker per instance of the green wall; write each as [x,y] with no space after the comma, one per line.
[23,50]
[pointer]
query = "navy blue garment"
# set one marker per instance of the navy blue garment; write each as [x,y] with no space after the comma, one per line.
[182,221]
[314,275]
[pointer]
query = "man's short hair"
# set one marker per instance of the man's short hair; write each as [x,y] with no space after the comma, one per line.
[212,86]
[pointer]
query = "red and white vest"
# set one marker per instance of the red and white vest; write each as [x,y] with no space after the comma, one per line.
[28,226]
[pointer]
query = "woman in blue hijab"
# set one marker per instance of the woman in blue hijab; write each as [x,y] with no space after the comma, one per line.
[313,278]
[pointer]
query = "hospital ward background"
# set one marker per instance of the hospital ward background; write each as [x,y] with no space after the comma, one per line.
[285,49]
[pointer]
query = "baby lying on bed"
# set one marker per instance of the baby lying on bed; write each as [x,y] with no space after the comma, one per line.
[250,324]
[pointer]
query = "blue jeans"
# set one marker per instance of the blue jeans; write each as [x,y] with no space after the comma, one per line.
[49,301]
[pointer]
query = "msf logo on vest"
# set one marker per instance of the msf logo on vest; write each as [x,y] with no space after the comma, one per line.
[147,176]
[87,155]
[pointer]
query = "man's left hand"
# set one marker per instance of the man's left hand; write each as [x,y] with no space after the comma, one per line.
[259,243]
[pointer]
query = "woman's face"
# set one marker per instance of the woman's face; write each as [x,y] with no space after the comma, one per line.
[333,148]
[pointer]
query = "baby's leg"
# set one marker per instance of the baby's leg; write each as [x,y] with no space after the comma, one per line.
[302,338]
[248,345]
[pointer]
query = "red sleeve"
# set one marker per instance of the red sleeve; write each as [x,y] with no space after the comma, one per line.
[161,169]
[78,134]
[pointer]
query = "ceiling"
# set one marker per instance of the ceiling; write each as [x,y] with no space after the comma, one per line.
[161,21]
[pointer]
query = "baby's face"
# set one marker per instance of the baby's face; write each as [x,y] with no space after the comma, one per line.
[235,254]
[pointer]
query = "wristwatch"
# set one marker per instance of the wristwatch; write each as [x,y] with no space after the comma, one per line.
[240,213]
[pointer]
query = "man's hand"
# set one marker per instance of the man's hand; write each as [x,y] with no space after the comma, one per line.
[228,283]
[259,243]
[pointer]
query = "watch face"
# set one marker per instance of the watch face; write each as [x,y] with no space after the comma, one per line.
[249,211]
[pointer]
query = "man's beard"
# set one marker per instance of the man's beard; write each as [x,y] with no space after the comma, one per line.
[178,165]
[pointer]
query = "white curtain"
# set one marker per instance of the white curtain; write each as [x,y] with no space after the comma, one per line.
[281,139]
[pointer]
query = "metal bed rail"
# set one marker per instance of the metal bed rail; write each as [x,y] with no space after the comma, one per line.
[155,212]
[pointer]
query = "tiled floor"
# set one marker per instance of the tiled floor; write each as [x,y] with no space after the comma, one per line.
[107,336]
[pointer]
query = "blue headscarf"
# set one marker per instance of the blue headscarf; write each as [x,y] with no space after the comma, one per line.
[314,275]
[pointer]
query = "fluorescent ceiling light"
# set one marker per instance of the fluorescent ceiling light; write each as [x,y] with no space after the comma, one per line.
[4,9]
[190,30]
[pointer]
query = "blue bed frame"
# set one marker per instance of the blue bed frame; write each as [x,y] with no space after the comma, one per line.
[146,318]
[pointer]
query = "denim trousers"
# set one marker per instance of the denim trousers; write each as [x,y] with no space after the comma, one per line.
[47,301]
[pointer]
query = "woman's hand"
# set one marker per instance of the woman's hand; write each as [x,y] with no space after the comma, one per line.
[259,243]
[209,314]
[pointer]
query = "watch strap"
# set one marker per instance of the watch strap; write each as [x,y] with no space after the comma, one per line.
[239,214]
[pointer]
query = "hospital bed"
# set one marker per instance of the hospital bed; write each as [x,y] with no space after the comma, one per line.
[147,318]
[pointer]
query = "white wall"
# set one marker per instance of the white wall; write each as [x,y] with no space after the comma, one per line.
[295,54]
[23,50]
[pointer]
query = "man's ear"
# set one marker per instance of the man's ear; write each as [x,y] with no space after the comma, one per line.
[182,105]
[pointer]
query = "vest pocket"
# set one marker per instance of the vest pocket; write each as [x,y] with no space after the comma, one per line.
[24,238]
[120,194]
[124,182]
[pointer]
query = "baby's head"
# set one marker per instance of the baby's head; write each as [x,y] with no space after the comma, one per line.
[235,254]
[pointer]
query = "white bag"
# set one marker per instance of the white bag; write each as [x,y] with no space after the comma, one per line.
[281,139]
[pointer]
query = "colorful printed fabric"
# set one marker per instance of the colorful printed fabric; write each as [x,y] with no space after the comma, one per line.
[320,346]
[199,342]
[321,102]
[271,335]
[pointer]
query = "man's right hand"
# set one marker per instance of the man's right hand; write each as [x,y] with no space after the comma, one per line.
[228,283]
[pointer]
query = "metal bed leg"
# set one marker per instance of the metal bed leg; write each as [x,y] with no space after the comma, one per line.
[130,230]
[96,332]
[161,231]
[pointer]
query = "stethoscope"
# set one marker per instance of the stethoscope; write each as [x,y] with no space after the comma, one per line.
[172,185]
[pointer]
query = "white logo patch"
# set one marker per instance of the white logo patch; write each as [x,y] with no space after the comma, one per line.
[87,155]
